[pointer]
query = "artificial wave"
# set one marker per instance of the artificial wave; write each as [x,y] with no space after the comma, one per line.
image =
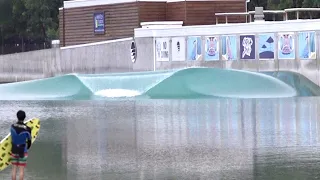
[171,84]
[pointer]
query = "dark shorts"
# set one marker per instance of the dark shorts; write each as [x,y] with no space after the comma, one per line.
[16,160]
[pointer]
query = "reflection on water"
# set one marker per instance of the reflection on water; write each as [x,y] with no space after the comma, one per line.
[172,139]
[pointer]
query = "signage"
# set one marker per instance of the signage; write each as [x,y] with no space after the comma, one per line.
[99,23]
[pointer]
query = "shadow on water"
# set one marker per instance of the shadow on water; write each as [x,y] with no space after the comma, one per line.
[172,139]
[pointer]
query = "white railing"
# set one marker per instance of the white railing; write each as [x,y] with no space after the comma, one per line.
[297,10]
[273,12]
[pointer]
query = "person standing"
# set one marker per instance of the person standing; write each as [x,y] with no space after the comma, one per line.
[21,142]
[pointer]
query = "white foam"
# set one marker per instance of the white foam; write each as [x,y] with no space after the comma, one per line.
[117,93]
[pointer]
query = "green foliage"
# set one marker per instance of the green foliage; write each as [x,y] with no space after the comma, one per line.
[286,4]
[5,11]
[273,4]
[283,4]
[311,3]
[30,19]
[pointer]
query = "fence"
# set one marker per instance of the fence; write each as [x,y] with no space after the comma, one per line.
[17,48]
[273,14]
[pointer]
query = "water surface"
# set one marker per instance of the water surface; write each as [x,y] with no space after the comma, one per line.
[171,139]
[189,83]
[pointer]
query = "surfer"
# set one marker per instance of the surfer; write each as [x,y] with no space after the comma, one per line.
[21,142]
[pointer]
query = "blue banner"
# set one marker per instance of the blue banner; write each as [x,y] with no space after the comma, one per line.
[99,22]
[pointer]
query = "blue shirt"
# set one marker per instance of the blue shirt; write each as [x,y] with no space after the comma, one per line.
[21,135]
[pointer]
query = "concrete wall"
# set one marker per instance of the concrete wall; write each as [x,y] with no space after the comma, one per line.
[145,54]
[115,55]
[26,66]
[102,57]
[308,67]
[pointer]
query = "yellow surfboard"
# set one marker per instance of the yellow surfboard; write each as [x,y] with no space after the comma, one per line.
[5,143]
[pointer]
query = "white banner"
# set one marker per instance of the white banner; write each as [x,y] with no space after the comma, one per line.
[178,49]
[162,49]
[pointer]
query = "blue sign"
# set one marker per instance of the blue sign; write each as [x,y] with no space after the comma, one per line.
[99,22]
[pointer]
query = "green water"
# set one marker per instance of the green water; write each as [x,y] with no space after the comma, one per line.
[172,139]
[190,83]
[196,123]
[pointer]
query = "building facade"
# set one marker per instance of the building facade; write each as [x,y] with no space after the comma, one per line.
[90,21]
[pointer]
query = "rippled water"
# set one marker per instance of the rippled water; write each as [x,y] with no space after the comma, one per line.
[172,139]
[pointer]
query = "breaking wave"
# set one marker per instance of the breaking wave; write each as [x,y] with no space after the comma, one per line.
[173,84]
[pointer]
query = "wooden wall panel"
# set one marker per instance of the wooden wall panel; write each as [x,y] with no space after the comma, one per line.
[231,6]
[152,11]
[61,27]
[176,11]
[200,13]
[120,21]
[203,13]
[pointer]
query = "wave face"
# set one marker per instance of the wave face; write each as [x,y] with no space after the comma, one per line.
[303,85]
[66,87]
[173,84]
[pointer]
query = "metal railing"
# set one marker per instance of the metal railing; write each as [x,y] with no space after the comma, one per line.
[297,10]
[226,15]
[14,48]
[273,12]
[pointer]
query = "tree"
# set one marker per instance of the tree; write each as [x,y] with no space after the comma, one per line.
[257,3]
[39,13]
[29,21]
[285,4]
[5,11]
[5,17]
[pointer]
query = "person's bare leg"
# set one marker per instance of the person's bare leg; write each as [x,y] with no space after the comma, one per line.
[14,172]
[21,173]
